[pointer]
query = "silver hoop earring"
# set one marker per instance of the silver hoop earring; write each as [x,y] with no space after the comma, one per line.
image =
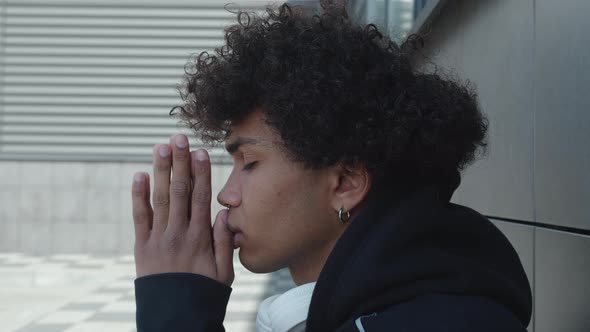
[343,217]
[228,207]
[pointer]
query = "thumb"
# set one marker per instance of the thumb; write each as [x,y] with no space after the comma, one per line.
[223,244]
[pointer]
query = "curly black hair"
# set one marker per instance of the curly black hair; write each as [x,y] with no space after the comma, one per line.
[337,92]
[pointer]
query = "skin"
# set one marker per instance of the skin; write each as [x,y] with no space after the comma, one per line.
[282,215]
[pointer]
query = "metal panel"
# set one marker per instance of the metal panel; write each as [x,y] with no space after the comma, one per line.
[498,58]
[94,80]
[562,272]
[522,238]
[562,121]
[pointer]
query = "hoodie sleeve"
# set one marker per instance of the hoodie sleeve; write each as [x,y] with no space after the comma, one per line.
[180,302]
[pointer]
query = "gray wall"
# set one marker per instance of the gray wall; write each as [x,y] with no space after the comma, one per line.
[67,207]
[529,60]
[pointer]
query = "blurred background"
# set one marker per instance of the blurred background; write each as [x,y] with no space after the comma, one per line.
[85,90]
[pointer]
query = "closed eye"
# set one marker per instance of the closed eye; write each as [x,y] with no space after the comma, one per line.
[249,166]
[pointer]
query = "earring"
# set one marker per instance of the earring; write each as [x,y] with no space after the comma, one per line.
[343,217]
[228,206]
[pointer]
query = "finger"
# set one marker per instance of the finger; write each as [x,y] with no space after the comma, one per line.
[201,197]
[193,166]
[142,210]
[223,244]
[193,181]
[180,186]
[161,196]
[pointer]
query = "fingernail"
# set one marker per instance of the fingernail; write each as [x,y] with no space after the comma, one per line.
[201,155]
[138,178]
[164,151]
[181,141]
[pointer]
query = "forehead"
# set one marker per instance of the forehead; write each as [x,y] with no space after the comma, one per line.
[252,130]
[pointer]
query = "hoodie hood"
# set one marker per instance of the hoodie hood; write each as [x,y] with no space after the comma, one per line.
[399,248]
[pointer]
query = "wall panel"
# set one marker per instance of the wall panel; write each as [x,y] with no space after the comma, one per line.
[562,120]
[522,238]
[496,55]
[562,290]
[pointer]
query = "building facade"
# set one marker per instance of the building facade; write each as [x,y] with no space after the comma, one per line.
[529,62]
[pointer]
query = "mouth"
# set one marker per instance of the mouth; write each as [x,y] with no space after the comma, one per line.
[237,240]
[233,229]
[237,235]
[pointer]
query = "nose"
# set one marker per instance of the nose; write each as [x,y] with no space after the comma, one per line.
[230,193]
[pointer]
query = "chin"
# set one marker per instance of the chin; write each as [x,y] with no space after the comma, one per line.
[258,263]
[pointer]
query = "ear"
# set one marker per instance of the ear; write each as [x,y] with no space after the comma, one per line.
[351,185]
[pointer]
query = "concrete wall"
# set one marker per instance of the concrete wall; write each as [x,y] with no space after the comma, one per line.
[529,60]
[54,207]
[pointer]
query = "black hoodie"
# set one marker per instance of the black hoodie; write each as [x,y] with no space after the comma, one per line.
[423,264]
[419,264]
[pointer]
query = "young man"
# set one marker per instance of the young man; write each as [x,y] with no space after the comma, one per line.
[345,159]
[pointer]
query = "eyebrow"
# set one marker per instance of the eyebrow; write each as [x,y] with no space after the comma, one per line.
[238,142]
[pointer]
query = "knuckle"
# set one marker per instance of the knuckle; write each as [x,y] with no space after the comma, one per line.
[162,166]
[181,155]
[201,197]
[139,217]
[194,241]
[173,242]
[161,199]
[203,167]
[199,243]
[180,189]
[137,192]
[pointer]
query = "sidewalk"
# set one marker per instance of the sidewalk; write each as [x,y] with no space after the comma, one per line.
[84,293]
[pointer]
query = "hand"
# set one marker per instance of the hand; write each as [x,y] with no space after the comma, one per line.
[176,235]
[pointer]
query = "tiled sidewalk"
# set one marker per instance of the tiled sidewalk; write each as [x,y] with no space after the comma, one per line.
[82,293]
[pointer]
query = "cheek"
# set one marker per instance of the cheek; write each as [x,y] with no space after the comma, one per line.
[259,203]
[271,203]
[266,209]
[263,189]
[278,233]
[278,217]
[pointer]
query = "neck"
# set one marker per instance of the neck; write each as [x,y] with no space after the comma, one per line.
[307,268]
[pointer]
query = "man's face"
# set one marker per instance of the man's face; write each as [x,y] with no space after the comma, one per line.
[280,212]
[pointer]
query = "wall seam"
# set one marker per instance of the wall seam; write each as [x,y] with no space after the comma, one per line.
[559,228]
[534,110]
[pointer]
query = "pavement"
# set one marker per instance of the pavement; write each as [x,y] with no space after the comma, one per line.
[86,293]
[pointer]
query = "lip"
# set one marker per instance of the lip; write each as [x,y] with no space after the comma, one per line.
[237,239]
[237,235]
[233,229]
